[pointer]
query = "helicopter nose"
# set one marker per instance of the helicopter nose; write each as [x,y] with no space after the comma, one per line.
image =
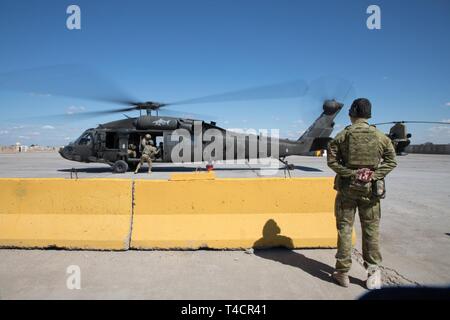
[66,152]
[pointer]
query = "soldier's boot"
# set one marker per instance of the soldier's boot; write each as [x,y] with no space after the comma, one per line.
[150,165]
[341,278]
[373,279]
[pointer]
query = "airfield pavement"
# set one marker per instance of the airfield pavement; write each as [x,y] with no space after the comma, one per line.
[415,243]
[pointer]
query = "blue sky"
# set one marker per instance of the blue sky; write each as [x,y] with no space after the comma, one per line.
[172,50]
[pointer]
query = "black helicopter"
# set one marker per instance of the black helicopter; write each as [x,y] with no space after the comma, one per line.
[109,142]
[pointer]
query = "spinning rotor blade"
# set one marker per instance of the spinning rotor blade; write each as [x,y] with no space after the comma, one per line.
[83,82]
[75,81]
[291,89]
[331,88]
[424,122]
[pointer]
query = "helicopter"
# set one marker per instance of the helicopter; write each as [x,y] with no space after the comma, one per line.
[399,136]
[109,142]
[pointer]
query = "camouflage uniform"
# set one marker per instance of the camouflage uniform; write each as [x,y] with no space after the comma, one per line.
[132,151]
[145,140]
[348,199]
[148,154]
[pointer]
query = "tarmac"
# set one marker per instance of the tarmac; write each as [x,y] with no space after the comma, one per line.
[415,244]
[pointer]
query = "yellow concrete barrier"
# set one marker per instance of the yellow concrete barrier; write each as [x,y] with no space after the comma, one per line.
[193,176]
[77,214]
[234,213]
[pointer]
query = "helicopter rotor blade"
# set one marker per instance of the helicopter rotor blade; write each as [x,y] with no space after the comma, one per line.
[412,121]
[80,81]
[291,89]
[331,88]
[69,80]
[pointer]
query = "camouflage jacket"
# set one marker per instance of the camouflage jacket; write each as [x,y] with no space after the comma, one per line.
[150,150]
[337,154]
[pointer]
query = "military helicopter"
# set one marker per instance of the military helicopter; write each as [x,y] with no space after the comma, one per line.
[399,135]
[109,143]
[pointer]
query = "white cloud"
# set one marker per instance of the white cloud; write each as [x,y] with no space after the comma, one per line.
[48,127]
[440,132]
[448,104]
[74,109]
[439,135]
[4,132]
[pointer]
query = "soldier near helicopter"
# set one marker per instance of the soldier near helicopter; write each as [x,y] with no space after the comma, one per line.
[145,140]
[148,153]
[361,156]
[132,151]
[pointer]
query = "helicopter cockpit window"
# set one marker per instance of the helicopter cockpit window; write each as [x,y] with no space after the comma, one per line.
[85,139]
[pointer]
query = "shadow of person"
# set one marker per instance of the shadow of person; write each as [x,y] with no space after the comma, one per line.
[276,247]
[271,237]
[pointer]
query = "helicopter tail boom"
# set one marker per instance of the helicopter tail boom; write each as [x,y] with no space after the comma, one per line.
[318,134]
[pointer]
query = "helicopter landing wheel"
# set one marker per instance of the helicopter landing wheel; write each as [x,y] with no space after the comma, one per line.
[120,166]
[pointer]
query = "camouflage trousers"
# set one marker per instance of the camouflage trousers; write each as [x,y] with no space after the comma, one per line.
[369,215]
[145,158]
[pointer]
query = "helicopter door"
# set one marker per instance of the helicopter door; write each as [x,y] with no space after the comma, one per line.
[100,144]
[111,151]
[84,147]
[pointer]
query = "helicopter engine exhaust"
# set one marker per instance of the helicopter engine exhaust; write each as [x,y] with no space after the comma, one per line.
[330,107]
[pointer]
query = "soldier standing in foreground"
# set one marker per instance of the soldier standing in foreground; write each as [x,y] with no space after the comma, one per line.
[148,153]
[361,156]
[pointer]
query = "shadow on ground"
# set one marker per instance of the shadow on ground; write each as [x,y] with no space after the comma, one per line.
[88,170]
[108,169]
[276,247]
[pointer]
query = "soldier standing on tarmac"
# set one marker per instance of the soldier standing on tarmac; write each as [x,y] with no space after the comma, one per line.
[361,156]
